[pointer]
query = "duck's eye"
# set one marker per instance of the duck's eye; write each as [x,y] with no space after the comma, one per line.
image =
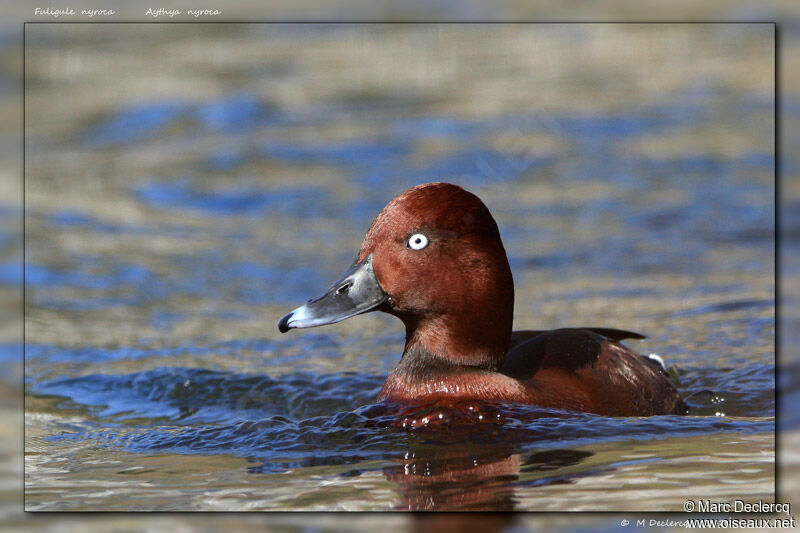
[418,241]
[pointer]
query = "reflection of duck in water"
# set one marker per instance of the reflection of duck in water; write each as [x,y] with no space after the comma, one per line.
[433,257]
[455,479]
[469,476]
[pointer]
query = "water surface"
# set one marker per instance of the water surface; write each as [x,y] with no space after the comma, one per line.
[170,225]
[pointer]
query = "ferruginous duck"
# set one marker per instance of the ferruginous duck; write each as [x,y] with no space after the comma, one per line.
[434,258]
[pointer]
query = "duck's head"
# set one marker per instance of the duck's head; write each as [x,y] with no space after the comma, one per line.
[432,257]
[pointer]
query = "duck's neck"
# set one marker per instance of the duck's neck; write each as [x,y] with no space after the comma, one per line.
[475,341]
[422,376]
[454,356]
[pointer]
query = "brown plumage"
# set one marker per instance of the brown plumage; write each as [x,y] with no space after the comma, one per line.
[455,295]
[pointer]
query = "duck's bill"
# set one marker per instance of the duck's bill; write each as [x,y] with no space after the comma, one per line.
[358,291]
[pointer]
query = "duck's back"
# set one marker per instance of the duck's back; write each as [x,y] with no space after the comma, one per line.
[588,369]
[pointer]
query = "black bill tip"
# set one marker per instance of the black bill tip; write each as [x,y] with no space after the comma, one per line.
[283,324]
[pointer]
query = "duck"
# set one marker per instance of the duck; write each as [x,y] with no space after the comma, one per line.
[433,258]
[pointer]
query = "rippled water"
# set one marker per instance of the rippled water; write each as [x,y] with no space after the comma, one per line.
[168,228]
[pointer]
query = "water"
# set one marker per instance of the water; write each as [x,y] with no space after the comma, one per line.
[169,228]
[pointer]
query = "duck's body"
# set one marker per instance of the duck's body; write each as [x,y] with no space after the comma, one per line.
[433,257]
[581,369]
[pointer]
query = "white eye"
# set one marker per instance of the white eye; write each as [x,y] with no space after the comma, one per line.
[418,241]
